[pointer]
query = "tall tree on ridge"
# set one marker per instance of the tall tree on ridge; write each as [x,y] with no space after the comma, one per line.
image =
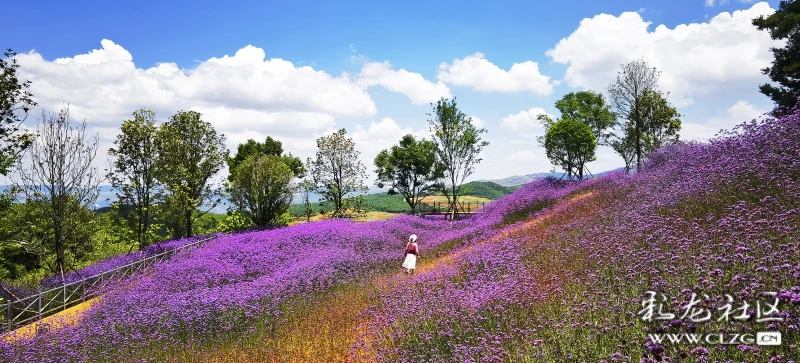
[626,94]
[458,146]
[57,178]
[133,170]
[190,153]
[410,169]
[337,172]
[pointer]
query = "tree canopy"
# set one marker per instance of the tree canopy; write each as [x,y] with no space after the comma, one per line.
[458,146]
[660,121]
[190,153]
[570,144]
[337,171]
[134,169]
[627,95]
[262,189]
[270,146]
[590,108]
[785,69]
[410,169]
[16,101]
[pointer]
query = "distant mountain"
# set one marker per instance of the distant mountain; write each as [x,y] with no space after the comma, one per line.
[108,196]
[527,178]
[521,179]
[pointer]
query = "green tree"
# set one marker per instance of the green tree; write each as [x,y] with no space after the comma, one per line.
[57,178]
[660,122]
[635,80]
[16,101]
[410,169]
[306,188]
[262,189]
[270,146]
[659,126]
[133,171]
[570,144]
[785,70]
[234,221]
[190,154]
[337,172]
[590,108]
[624,146]
[458,146]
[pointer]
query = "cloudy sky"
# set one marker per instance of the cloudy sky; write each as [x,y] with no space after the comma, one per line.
[299,70]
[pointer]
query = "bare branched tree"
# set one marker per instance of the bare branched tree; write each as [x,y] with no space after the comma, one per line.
[633,82]
[59,182]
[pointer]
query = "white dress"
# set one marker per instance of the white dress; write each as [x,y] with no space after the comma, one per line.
[410,262]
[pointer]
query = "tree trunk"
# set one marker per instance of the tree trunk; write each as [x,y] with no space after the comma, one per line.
[455,201]
[637,129]
[60,260]
[146,228]
[188,217]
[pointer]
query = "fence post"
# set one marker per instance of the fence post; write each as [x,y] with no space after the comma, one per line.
[8,316]
[39,300]
[64,297]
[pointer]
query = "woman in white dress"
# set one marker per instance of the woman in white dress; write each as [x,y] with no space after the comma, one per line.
[412,253]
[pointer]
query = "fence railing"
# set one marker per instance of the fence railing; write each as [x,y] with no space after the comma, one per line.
[437,208]
[17,313]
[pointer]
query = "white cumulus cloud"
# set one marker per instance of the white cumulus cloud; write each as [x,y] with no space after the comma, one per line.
[480,74]
[418,89]
[739,113]
[105,85]
[381,135]
[243,96]
[524,121]
[724,54]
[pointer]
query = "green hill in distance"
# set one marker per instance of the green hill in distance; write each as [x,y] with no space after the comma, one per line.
[383,202]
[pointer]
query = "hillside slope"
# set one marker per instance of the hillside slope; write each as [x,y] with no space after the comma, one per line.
[552,272]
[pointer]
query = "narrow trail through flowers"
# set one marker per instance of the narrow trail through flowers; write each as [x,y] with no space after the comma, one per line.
[57,321]
[334,329]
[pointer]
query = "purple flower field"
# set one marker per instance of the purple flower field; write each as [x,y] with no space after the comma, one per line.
[118,261]
[553,272]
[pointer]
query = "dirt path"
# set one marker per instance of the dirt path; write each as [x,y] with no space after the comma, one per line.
[61,319]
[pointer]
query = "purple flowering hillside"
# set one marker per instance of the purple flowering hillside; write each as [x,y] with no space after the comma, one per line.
[554,272]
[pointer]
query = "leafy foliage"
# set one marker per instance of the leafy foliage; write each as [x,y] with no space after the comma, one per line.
[410,169]
[660,122]
[570,144]
[262,189]
[270,146]
[190,153]
[16,101]
[234,221]
[649,120]
[134,169]
[337,172]
[458,146]
[590,108]
[306,188]
[785,70]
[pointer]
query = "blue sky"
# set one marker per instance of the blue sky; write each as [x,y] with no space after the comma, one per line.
[298,70]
